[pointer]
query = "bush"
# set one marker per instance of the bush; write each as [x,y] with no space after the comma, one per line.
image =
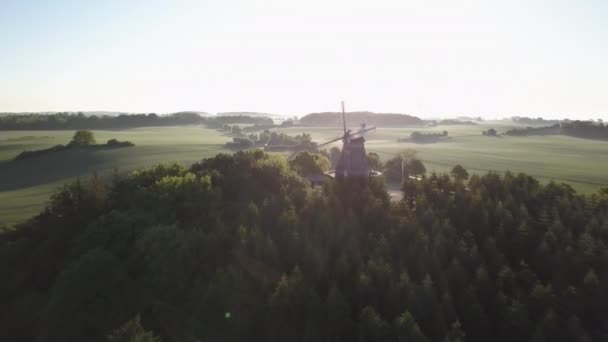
[37,153]
[239,144]
[490,133]
[116,143]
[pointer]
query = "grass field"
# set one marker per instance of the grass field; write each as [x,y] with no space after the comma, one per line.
[580,162]
[25,185]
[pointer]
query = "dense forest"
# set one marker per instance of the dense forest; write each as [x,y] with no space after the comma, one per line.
[579,129]
[378,119]
[239,247]
[68,121]
[533,121]
[585,129]
[543,130]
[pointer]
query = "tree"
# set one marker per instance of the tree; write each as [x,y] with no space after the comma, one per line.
[200,251]
[491,132]
[415,167]
[334,156]
[236,130]
[459,173]
[371,326]
[456,334]
[397,168]
[132,331]
[407,330]
[82,138]
[374,162]
[306,163]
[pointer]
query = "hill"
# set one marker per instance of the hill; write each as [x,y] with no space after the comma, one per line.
[191,112]
[238,247]
[245,114]
[355,118]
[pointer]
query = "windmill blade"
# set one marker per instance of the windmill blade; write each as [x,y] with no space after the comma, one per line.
[331,141]
[351,134]
[362,131]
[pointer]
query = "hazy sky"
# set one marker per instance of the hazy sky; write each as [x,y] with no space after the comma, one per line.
[424,57]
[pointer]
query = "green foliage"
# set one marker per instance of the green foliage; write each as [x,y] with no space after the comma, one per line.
[239,247]
[132,331]
[306,163]
[239,143]
[459,173]
[80,121]
[408,330]
[236,130]
[490,132]
[116,143]
[374,162]
[424,138]
[398,167]
[334,156]
[82,138]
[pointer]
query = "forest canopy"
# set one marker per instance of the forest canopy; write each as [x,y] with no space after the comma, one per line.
[239,247]
[579,129]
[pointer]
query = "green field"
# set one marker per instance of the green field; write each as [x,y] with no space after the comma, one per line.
[25,185]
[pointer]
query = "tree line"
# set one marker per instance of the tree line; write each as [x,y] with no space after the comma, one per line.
[425,138]
[69,121]
[579,129]
[271,141]
[240,247]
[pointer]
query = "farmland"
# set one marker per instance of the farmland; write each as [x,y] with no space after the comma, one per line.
[25,185]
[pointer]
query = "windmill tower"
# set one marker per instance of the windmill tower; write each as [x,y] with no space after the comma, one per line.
[353,160]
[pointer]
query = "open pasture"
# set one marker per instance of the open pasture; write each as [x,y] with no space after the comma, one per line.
[582,163]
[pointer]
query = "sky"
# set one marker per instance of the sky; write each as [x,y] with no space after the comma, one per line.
[423,57]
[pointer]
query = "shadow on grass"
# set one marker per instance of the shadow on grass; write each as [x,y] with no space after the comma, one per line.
[51,167]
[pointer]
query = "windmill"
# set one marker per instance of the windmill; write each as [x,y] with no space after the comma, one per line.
[353,160]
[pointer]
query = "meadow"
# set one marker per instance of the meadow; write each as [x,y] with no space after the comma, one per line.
[25,185]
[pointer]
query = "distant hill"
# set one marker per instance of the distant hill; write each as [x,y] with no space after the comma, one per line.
[191,112]
[245,114]
[456,122]
[469,118]
[354,118]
